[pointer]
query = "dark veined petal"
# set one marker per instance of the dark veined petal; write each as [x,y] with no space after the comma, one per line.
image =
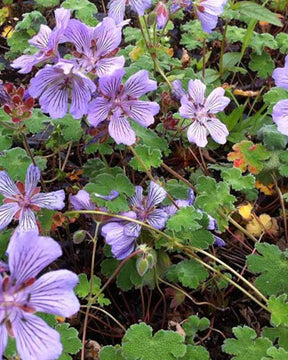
[157,218]
[110,85]
[7,186]
[216,101]
[98,111]
[108,65]
[132,229]
[116,10]
[82,89]
[53,293]
[137,198]
[156,195]
[187,109]
[29,254]
[82,201]
[3,332]
[107,37]
[79,34]
[53,200]
[32,179]
[7,212]
[141,111]
[139,6]
[62,17]
[27,220]
[208,21]
[120,129]
[121,244]
[139,84]
[196,91]
[35,340]
[197,134]
[41,39]
[44,77]
[217,130]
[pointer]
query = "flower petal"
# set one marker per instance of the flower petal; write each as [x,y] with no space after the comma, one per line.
[196,90]
[7,212]
[280,75]
[82,201]
[216,101]
[29,254]
[121,244]
[3,334]
[116,10]
[32,179]
[157,218]
[98,111]
[156,195]
[120,129]
[34,338]
[280,116]
[41,39]
[81,95]
[110,85]
[208,21]
[53,293]
[132,229]
[187,109]
[7,186]
[108,65]
[137,198]
[178,90]
[79,34]
[139,6]
[197,134]
[107,37]
[141,111]
[52,201]
[217,130]
[139,84]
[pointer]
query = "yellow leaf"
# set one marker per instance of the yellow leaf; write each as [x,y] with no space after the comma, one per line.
[266,189]
[4,13]
[245,211]
[7,32]
[256,227]
[60,319]
[136,53]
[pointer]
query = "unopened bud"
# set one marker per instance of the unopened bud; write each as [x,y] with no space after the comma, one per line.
[79,236]
[162,14]
[142,266]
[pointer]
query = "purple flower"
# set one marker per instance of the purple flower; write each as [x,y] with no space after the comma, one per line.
[162,14]
[121,235]
[46,41]
[96,47]
[21,295]
[5,98]
[117,102]
[178,4]
[212,225]
[117,8]
[82,201]
[21,200]
[280,75]
[280,116]
[208,11]
[201,111]
[54,85]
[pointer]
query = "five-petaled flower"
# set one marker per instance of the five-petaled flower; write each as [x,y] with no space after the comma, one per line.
[46,41]
[202,112]
[21,295]
[208,11]
[117,102]
[22,200]
[121,235]
[117,8]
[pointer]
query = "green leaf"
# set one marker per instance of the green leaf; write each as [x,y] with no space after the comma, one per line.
[282,40]
[273,96]
[247,345]
[194,324]
[212,196]
[276,354]
[200,238]
[47,3]
[5,236]
[257,12]
[263,64]
[283,169]
[36,122]
[280,333]
[93,167]
[233,176]
[70,341]
[150,157]
[5,139]
[278,307]
[185,219]
[83,289]
[272,138]
[84,9]
[103,184]
[195,353]
[16,162]
[110,353]
[272,263]
[149,137]
[189,272]
[139,344]
[71,129]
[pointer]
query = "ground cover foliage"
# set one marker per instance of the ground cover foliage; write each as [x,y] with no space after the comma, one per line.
[158,133]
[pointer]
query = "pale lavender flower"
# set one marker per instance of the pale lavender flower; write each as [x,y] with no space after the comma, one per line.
[55,85]
[82,200]
[280,75]
[22,295]
[117,102]
[96,47]
[46,41]
[162,14]
[280,116]
[121,235]
[22,200]
[212,225]
[117,8]
[180,4]
[208,11]
[202,112]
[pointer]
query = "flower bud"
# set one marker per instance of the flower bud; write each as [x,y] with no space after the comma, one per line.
[79,236]
[162,14]
[142,265]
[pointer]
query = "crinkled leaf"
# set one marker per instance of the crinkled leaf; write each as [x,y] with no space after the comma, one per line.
[263,64]
[280,333]
[273,96]
[234,177]
[278,307]
[70,341]
[185,219]
[84,9]
[149,137]
[276,354]
[272,138]
[110,353]
[194,324]
[149,156]
[195,353]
